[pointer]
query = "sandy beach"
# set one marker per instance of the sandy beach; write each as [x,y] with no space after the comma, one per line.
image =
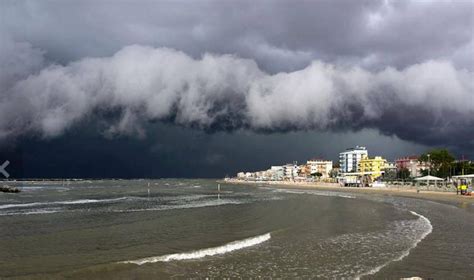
[462,201]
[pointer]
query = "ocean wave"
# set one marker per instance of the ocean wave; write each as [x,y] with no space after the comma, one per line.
[175,202]
[210,203]
[34,188]
[35,212]
[425,224]
[66,202]
[190,197]
[315,192]
[365,253]
[59,188]
[198,254]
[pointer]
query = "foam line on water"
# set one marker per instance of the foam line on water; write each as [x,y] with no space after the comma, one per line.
[38,188]
[66,202]
[31,212]
[320,193]
[198,254]
[184,206]
[429,229]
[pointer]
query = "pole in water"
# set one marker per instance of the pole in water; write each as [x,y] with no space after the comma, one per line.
[148,193]
[218,191]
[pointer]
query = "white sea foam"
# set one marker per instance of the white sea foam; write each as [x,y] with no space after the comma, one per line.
[66,202]
[320,193]
[39,188]
[198,254]
[32,188]
[209,203]
[36,212]
[40,212]
[425,223]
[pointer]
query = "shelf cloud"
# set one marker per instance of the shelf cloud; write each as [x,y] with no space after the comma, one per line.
[428,102]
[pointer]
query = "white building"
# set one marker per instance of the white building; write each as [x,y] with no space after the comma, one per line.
[277,173]
[260,175]
[320,166]
[349,160]
[249,175]
[290,171]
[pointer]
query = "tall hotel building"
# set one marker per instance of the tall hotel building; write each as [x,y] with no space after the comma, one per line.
[349,160]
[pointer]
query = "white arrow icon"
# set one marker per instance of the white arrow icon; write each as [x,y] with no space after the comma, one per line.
[2,169]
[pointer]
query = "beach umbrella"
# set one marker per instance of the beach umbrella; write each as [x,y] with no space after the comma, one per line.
[429,178]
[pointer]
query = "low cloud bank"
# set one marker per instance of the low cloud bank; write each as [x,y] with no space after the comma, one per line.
[430,103]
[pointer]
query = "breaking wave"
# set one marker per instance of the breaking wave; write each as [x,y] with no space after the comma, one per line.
[210,203]
[66,202]
[198,254]
[160,203]
[315,192]
[425,225]
[34,212]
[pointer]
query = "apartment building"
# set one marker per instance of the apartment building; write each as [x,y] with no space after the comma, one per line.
[349,159]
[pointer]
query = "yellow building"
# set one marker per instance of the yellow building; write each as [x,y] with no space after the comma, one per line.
[373,166]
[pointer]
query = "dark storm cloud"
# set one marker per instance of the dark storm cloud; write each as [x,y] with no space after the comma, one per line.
[279,35]
[401,67]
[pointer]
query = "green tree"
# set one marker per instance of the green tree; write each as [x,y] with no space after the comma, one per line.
[463,167]
[334,173]
[403,173]
[440,162]
[424,172]
[390,174]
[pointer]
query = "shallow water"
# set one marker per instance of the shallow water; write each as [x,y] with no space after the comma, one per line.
[184,229]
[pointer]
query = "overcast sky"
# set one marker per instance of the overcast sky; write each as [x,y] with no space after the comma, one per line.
[206,88]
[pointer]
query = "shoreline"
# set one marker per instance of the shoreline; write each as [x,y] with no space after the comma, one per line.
[461,201]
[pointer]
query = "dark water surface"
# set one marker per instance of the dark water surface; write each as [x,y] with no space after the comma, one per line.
[143,229]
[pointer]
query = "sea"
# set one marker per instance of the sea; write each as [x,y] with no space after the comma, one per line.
[187,229]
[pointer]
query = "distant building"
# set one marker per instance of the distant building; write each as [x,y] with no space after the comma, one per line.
[349,160]
[277,173]
[320,166]
[290,171]
[390,170]
[390,166]
[249,175]
[412,164]
[267,175]
[304,171]
[373,166]
[259,175]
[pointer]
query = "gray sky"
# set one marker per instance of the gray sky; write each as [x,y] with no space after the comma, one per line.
[398,71]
